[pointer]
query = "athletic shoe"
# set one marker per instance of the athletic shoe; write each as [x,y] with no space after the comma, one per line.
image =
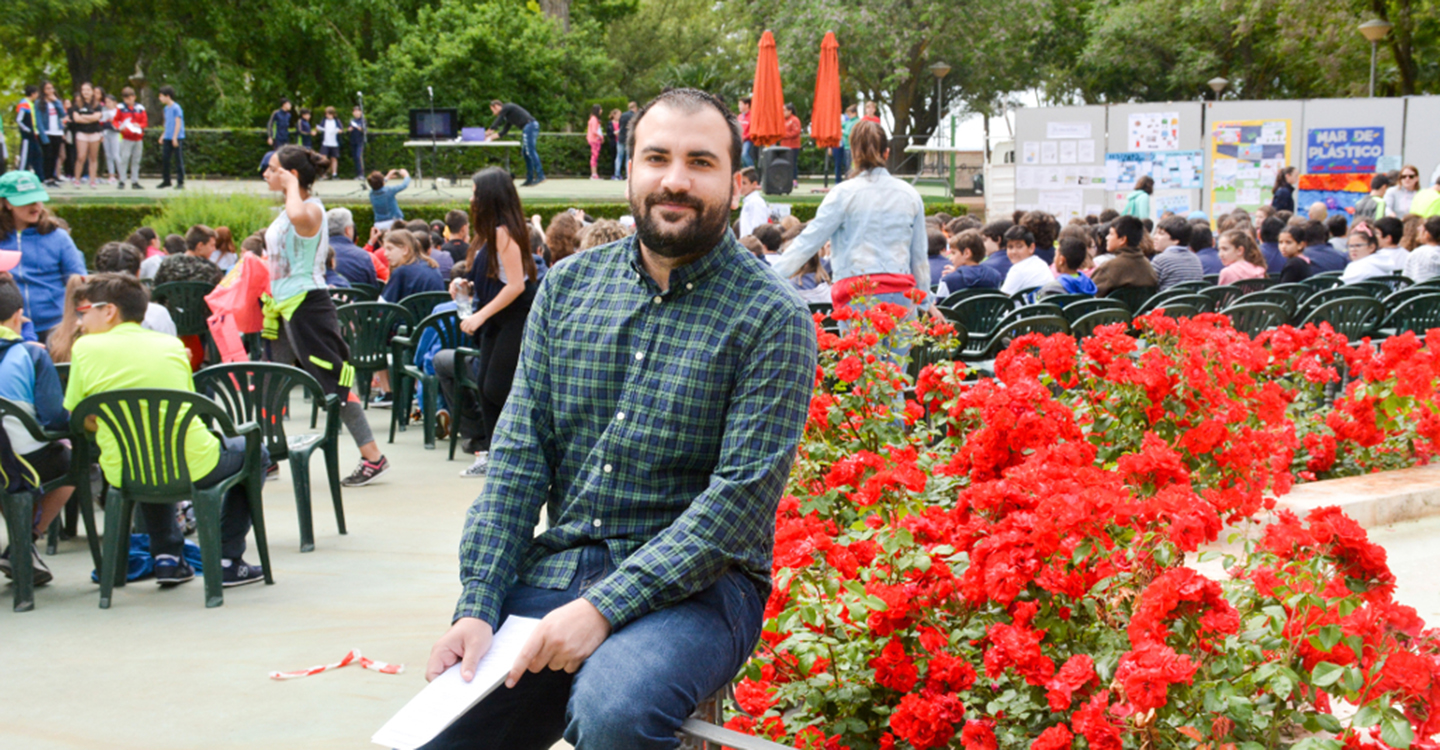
[366,473]
[162,186]
[272,472]
[172,571]
[382,400]
[527,183]
[136,186]
[112,181]
[239,573]
[477,469]
[42,571]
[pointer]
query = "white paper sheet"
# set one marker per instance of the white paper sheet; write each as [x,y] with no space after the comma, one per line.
[1049,152]
[1086,151]
[1067,152]
[449,696]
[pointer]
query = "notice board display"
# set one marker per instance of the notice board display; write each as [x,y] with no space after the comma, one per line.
[1343,150]
[1245,156]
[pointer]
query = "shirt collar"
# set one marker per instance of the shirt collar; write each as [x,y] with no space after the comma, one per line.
[725,252]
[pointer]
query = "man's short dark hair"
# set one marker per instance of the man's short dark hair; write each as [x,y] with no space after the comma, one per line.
[1109,214]
[118,257]
[123,291]
[198,235]
[750,175]
[745,100]
[1201,238]
[769,236]
[1130,229]
[959,224]
[969,242]
[995,230]
[167,90]
[31,89]
[1338,225]
[1271,228]
[1073,250]
[1391,227]
[174,244]
[1044,226]
[1297,233]
[690,101]
[1178,229]
[11,300]
[937,241]
[1018,233]
[1316,233]
[1379,181]
[456,220]
[496,103]
[1432,228]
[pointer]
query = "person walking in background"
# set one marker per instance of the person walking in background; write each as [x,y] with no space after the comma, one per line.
[622,143]
[747,149]
[793,129]
[1285,182]
[89,132]
[357,130]
[383,205]
[1137,203]
[52,119]
[842,152]
[111,140]
[32,133]
[1399,197]
[277,130]
[131,121]
[513,115]
[330,140]
[595,136]
[171,140]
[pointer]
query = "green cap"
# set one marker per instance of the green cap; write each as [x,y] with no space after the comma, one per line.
[21,188]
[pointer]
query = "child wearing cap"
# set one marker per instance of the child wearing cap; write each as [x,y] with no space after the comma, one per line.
[48,257]
[28,378]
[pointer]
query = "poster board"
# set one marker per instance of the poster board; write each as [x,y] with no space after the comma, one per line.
[1245,156]
[1163,130]
[1350,136]
[1230,111]
[1060,160]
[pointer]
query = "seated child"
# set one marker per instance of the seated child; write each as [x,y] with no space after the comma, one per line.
[28,377]
[116,353]
[1070,257]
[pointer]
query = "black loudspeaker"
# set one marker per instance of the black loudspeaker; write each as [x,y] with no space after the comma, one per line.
[778,166]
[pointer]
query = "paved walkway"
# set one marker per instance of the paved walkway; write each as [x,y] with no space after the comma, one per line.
[159,671]
[554,190]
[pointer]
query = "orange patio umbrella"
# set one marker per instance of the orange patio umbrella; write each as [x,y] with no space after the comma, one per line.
[767,102]
[825,117]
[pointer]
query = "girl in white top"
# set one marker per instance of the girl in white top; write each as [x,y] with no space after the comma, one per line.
[330,139]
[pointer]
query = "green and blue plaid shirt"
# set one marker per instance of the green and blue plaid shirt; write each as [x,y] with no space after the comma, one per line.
[661,424]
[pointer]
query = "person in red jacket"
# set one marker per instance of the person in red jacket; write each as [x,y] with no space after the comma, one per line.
[131,121]
[791,140]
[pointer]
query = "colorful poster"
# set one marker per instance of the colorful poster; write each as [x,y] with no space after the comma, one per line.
[1245,156]
[1343,150]
[1154,131]
[1030,152]
[1339,192]
[1171,170]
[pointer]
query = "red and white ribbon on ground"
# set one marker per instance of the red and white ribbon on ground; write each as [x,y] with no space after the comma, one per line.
[353,657]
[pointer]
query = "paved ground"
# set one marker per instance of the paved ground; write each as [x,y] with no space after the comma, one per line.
[555,190]
[159,671]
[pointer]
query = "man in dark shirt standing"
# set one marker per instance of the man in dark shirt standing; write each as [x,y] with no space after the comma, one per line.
[622,158]
[663,385]
[512,115]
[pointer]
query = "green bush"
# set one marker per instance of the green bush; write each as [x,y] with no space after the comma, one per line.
[94,224]
[242,212]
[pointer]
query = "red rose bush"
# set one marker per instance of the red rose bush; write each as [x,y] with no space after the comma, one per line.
[1008,561]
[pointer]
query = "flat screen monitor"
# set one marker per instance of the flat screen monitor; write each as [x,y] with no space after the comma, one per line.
[442,124]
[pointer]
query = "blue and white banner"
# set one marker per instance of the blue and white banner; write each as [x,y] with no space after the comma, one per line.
[1343,150]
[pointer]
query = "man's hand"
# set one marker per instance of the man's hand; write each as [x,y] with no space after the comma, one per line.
[376,234]
[466,641]
[564,640]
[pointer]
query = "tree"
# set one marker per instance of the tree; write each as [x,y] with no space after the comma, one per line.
[676,43]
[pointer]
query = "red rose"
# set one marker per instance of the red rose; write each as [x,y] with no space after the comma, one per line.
[979,734]
[1057,737]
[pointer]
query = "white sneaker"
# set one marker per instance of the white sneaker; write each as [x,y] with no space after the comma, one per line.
[477,469]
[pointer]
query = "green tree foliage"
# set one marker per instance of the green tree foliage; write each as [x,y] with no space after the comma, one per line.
[500,49]
[679,43]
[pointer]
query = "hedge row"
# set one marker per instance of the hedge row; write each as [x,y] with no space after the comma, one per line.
[94,224]
[236,152]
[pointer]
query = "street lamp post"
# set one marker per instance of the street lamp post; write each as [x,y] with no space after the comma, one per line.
[939,70]
[1218,84]
[1374,30]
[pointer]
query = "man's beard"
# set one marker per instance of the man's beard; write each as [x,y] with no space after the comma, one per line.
[695,237]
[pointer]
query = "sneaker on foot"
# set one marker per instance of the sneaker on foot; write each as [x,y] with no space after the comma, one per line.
[382,400]
[172,571]
[135,186]
[477,469]
[272,472]
[42,571]
[239,573]
[366,473]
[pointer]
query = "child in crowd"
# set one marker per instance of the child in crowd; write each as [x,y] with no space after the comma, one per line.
[411,271]
[1424,260]
[457,235]
[172,140]
[116,353]
[357,130]
[967,271]
[1070,257]
[425,239]
[122,257]
[1241,257]
[382,197]
[1028,270]
[330,140]
[753,209]
[1292,246]
[48,257]
[305,128]
[812,282]
[111,138]
[1365,263]
[28,378]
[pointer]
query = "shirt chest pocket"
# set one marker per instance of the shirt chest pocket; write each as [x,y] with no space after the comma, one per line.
[680,400]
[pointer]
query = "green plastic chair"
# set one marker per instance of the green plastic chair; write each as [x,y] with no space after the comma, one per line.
[371,290]
[1159,298]
[1268,296]
[1252,319]
[1328,295]
[465,382]
[150,428]
[979,314]
[422,304]
[1397,298]
[1077,310]
[1322,281]
[366,328]
[1132,296]
[259,393]
[960,295]
[1248,286]
[1299,292]
[1355,317]
[1177,310]
[1190,286]
[1419,314]
[824,308]
[1212,278]
[1062,300]
[1009,331]
[1200,302]
[406,373]
[1086,324]
[19,509]
[341,295]
[1377,289]
[925,354]
[186,302]
[1024,296]
[1224,295]
[1394,282]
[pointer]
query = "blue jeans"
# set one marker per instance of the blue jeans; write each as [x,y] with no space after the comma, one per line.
[842,163]
[619,159]
[166,538]
[636,690]
[747,154]
[533,171]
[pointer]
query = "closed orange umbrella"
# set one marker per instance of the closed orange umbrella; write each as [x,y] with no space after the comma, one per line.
[767,102]
[825,118]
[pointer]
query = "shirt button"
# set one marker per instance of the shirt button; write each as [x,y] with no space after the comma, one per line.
[620,416]
[657,300]
[597,523]
[608,468]
[639,356]
[689,286]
